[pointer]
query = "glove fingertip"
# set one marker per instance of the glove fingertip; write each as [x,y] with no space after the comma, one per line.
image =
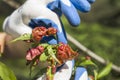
[82,5]
[75,23]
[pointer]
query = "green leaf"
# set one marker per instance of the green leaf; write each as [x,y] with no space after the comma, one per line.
[50,50]
[49,73]
[43,57]
[22,37]
[6,73]
[95,75]
[44,44]
[105,71]
[52,53]
[87,63]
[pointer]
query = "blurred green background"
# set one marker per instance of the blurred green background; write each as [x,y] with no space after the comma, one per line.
[99,31]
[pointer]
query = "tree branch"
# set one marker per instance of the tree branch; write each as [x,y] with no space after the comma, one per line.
[12,3]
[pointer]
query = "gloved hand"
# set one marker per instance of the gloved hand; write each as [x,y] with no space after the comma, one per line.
[81,74]
[69,9]
[36,11]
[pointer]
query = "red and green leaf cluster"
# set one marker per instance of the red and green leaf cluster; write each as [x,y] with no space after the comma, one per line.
[55,55]
[65,52]
[58,52]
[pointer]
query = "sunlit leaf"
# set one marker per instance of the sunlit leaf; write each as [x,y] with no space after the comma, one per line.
[87,63]
[44,44]
[49,73]
[22,37]
[105,71]
[52,53]
[43,57]
[50,50]
[6,73]
[95,75]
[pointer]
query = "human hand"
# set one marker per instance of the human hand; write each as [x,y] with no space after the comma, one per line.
[2,41]
[18,23]
[9,50]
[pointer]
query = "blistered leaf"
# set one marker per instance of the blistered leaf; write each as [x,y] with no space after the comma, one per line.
[6,73]
[22,37]
[105,71]
[43,57]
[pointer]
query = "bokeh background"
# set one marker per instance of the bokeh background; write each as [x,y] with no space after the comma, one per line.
[99,31]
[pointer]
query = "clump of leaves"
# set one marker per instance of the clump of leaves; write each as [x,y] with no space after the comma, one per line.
[55,55]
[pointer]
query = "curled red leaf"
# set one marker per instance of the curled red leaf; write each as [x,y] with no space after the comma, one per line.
[38,33]
[32,53]
[65,52]
[51,31]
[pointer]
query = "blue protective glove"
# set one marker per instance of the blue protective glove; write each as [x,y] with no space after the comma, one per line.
[68,8]
[81,74]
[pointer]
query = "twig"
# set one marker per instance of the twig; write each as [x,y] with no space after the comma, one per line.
[12,3]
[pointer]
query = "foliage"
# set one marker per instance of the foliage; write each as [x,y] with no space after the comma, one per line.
[101,39]
[105,71]
[48,53]
[53,54]
[93,70]
[22,37]
[6,73]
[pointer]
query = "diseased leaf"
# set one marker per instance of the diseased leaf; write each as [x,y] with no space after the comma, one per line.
[6,73]
[105,71]
[22,37]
